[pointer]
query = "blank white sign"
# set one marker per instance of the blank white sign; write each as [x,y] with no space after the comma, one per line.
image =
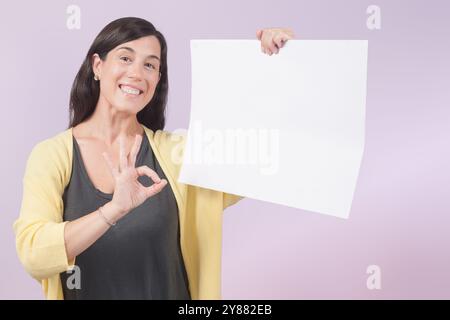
[287,128]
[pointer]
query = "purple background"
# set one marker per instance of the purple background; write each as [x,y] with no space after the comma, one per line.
[400,215]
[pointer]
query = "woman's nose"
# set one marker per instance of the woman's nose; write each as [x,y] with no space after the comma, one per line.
[135,71]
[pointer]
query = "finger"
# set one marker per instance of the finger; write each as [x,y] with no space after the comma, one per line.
[285,37]
[144,170]
[266,44]
[273,48]
[263,49]
[122,156]
[134,150]
[269,46]
[259,34]
[266,49]
[278,40]
[155,188]
[114,170]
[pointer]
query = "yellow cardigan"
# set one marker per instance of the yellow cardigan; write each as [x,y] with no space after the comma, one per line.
[40,228]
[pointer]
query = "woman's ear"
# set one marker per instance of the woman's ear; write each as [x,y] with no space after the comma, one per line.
[96,65]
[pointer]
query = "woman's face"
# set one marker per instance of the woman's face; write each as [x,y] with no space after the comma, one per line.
[130,73]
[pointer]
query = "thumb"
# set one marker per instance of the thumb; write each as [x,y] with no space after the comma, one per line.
[259,34]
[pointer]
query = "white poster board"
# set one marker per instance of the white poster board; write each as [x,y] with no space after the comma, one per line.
[287,128]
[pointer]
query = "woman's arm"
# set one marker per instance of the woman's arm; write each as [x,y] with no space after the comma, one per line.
[81,233]
[128,194]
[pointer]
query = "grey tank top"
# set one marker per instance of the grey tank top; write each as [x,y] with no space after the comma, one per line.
[139,257]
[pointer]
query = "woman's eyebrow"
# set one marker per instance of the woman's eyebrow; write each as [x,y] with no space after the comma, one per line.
[132,51]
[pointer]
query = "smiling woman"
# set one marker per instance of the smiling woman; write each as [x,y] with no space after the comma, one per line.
[104,193]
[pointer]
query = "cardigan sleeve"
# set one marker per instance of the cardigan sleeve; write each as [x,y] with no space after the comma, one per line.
[39,230]
[230,199]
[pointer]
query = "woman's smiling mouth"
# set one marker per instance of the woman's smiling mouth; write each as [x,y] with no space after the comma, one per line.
[130,90]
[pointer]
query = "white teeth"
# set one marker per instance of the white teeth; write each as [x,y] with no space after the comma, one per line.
[130,90]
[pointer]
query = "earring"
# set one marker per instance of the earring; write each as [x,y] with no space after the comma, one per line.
[96,77]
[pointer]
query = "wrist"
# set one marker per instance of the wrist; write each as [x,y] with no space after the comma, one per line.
[112,212]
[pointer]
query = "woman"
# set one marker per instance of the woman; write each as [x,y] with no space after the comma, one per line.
[103,195]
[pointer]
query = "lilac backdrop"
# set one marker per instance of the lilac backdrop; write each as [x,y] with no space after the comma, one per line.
[400,216]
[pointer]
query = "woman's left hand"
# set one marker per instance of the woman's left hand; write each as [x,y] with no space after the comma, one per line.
[273,39]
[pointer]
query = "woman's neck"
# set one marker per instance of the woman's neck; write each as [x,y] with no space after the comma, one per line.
[107,124]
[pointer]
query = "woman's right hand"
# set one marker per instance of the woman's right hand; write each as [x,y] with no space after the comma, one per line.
[128,191]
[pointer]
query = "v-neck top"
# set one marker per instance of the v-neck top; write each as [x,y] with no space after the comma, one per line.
[138,258]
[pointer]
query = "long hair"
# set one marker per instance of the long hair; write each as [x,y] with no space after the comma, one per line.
[86,91]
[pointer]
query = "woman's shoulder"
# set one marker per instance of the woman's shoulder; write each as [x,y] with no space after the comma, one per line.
[53,151]
[58,142]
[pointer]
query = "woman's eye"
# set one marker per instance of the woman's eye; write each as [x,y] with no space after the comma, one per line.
[126,59]
[149,65]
